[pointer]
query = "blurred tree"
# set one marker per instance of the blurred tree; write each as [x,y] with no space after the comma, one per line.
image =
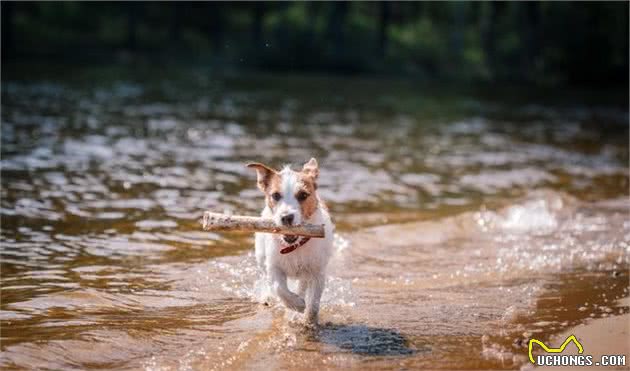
[456,34]
[176,22]
[133,10]
[536,42]
[531,40]
[382,29]
[213,24]
[7,27]
[258,13]
[495,10]
[312,11]
[336,28]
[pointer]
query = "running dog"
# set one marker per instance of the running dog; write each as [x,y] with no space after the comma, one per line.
[291,199]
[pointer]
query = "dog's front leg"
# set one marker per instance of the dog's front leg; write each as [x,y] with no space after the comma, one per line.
[260,245]
[302,286]
[313,295]
[279,284]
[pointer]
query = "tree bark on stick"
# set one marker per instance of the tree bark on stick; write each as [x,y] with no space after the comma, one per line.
[221,222]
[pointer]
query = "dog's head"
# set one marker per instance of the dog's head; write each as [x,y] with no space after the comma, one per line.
[289,194]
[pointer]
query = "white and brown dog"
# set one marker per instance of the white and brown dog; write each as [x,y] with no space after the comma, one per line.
[290,199]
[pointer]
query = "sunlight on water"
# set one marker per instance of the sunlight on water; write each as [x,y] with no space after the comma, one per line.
[461,232]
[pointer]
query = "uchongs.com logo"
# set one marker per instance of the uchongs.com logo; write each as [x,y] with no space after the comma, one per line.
[553,356]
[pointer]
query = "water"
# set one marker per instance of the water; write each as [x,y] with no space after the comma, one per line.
[466,223]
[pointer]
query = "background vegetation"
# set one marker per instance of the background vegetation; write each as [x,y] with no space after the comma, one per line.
[542,43]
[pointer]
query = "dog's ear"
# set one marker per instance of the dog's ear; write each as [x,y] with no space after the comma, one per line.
[311,168]
[264,174]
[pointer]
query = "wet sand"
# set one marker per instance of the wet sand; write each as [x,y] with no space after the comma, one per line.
[604,336]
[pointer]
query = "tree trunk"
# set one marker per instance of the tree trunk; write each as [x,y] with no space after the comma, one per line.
[336,25]
[489,36]
[176,22]
[382,29]
[259,10]
[309,39]
[215,26]
[8,8]
[530,35]
[456,33]
[132,25]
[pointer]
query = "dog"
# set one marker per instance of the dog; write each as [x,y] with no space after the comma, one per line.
[291,199]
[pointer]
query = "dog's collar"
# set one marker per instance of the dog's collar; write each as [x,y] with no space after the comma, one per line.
[294,246]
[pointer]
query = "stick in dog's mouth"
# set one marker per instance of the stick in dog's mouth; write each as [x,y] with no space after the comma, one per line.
[221,222]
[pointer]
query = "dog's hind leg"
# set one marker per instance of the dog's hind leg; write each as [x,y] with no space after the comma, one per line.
[313,297]
[279,284]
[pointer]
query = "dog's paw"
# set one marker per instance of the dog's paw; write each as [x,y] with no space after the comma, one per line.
[311,318]
[310,325]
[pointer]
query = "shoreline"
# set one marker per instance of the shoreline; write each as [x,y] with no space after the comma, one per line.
[601,336]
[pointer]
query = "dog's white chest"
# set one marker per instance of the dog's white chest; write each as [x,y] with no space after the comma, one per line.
[307,260]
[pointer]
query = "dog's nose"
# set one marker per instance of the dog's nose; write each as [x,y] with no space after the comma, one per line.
[287,219]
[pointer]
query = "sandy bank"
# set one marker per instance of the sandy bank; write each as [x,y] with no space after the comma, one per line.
[604,336]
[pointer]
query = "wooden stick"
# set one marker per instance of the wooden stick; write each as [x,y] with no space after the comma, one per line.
[221,222]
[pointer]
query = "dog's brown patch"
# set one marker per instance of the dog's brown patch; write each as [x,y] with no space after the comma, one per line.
[275,186]
[308,185]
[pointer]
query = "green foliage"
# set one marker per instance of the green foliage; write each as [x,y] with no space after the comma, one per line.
[531,42]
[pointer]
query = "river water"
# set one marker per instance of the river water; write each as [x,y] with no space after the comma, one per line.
[467,223]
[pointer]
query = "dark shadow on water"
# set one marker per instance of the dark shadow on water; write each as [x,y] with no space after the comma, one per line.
[365,340]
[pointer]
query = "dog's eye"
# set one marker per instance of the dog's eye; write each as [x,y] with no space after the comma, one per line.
[301,196]
[276,196]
